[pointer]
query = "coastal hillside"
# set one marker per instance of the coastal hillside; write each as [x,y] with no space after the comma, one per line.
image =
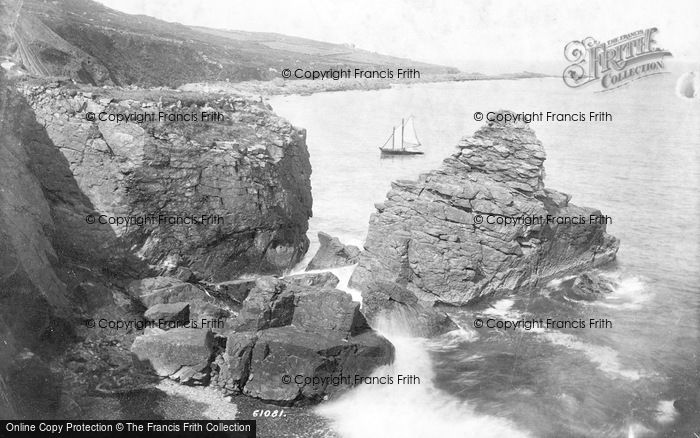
[96,45]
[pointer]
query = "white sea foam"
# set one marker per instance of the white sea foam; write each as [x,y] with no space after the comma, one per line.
[343,275]
[406,411]
[629,293]
[503,308]
[605,357]
[636,430]
[453,339]
[665,412]
[556,283]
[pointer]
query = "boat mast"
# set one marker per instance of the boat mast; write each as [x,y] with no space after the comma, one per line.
[402,146]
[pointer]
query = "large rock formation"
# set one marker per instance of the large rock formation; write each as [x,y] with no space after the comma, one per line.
[438,239]
[167,290]
[333,254]
[58,270]
[180,353]
[244,179]
[304,334]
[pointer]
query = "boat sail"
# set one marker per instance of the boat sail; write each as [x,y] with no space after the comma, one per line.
[403,140]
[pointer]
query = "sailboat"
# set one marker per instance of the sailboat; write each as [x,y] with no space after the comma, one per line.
[403,141]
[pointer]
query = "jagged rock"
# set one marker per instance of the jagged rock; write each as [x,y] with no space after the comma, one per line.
[236,290]
[290,351]
[251,209]
[232,369]
[34,300]
[180,352]
[276,303]
[32,289]
[266,306]
[333,254]
[590,286]
[288,329]
[193,375]
[168,290]
[387,299]
[432,236]
[320,279]
[185,275]
[175,312]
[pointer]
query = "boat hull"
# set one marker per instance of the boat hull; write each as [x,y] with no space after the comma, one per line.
[399,152]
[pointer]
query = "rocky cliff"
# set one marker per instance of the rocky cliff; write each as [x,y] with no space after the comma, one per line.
[34,298]
[88,208]
[222,197]
[481,224]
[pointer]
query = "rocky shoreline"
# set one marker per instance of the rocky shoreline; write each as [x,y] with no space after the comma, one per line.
[112,310]
[307,87]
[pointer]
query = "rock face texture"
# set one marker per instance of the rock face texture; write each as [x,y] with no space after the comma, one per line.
[159,291]
[181,353]
[177,312]
[64,259]
[221,197]
[444,238]
[34,298]
[590,286]
[287,329]
[333,254]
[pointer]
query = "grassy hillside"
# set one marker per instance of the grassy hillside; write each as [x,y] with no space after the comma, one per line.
[93,44]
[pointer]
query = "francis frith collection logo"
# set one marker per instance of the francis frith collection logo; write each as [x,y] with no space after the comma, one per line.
[615,62]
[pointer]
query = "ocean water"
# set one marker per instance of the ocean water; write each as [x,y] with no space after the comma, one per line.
[639,378]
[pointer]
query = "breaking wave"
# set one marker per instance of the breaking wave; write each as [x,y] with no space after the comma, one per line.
[605,357]
[406,411]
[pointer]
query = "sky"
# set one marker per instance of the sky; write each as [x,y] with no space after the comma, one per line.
[477,35]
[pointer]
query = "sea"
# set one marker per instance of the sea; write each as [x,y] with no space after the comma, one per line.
[638,377]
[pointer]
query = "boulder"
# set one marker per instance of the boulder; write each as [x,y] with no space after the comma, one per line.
[266,306]
[288,329]
[231,370]
[276,303]
[291,351]
[235,291]
[180,353]
[333,254]
[168,290]
[174,312]
[590,286]
[437,236]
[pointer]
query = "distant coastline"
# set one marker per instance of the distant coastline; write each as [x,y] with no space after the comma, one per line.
[307,86]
